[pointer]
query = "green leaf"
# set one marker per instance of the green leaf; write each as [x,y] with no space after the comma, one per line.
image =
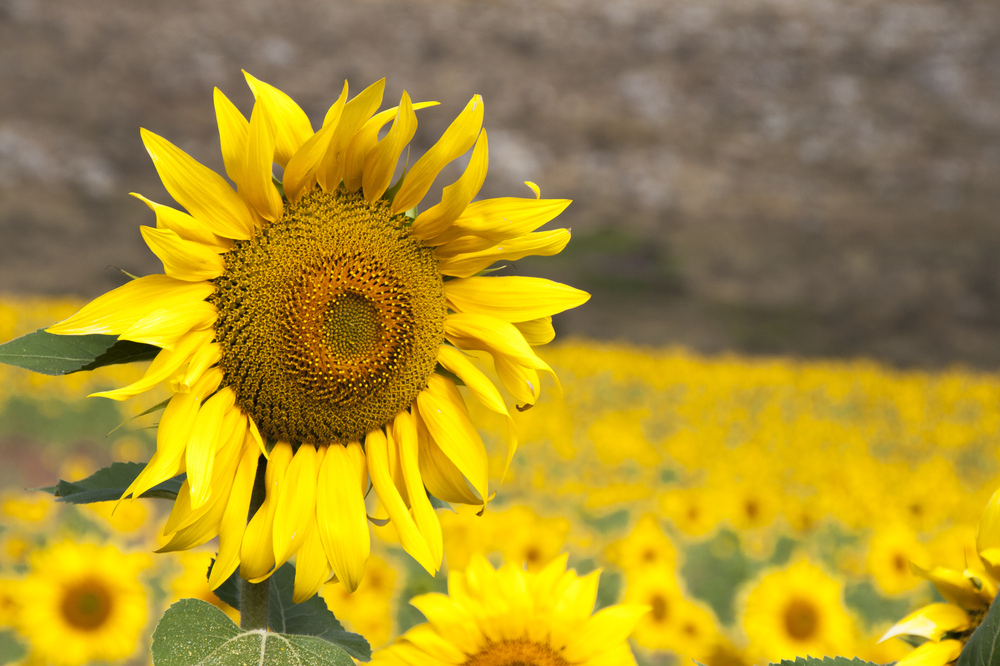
[826,661]
[196,633]
[109,483]
[309,618]
[11,649]
[64,354]
[982,648]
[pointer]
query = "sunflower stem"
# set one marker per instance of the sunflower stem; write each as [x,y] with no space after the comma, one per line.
[254,596]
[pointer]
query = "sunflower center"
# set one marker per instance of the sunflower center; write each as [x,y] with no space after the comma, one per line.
[86,605]
[329,319]
[519,652]
[801,619]
[658,607]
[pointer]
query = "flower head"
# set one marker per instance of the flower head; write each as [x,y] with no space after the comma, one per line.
[86,604]
[510,616]
[320,321]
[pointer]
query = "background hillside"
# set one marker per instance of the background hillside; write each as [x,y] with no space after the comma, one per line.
[815,178]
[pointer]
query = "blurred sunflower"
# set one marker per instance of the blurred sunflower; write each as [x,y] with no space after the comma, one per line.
[86,604]
[673,623]
[510,616]
[798,611]
[889,555]
[319,320]
[946,627]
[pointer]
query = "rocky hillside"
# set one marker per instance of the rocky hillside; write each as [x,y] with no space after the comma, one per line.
[815,177]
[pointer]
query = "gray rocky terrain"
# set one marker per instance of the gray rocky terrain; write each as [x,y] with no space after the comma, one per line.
[817,177]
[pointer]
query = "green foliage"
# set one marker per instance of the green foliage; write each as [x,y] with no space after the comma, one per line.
[194,632]
[309,618]
[982,649]
[11,650]
[64,354]
[110,483]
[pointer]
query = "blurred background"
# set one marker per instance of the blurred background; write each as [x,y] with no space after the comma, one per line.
[768,176]
[768,196]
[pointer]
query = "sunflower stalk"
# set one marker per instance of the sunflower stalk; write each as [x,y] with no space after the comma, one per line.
[254,596]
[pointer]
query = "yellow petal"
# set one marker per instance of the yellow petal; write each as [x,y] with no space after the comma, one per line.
[204,193]
[234,519]
[340,512]
[608,627]
[439,474]
[512,298]
[405,436]
[233,132]
[523,383]
[540,243]
[205,357]
[300,175]
[355,114]
[258,177]
[955,586]
[257,549]
[499,338]
[172,435]
[291,124]
[114,312]
[443,412]
[381,160]
[450,619]
[537,331]
[165,326]
[931,622]
[377,451]
[933,654]
[479,385]
[497,220]
[184,225]
[312,569]
[166,363]
[455,197]
[430,642]
[364,141]
[534,188]
[183,259]
[206,437]
[296,509]
[455,142]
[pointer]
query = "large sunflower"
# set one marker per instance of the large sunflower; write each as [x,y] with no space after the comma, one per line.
[320,321]
[510,617]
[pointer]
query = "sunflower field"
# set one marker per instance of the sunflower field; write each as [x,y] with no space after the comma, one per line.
[760,509]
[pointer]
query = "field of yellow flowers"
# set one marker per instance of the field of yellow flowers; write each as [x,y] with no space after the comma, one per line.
[762,508]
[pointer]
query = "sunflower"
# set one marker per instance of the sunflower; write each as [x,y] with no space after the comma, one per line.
[319,321]
[798,611]
[644,548]
[945,627]
[889,555]
[673,623]
[510,616]
[86,604]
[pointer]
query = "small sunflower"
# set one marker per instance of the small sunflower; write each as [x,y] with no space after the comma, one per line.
[673,623]
[946,627]
[319,321]
[798,611]
[889,555]
[509,616]
[86,604]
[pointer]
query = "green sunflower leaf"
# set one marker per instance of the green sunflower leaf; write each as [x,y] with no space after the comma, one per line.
[108,484]
[194,632]
[826,661]
[982,648]
[64,354]
[309,618]
[11,649]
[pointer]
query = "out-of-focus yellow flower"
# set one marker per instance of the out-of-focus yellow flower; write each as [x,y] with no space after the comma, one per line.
[11,600]
[693,510]
[645,547]
[86,604]
[946,627]
[368,610]
[673,623]
[890,552]
[122,516]
[192,582]
[798,611]
[25,508]
[509,616]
